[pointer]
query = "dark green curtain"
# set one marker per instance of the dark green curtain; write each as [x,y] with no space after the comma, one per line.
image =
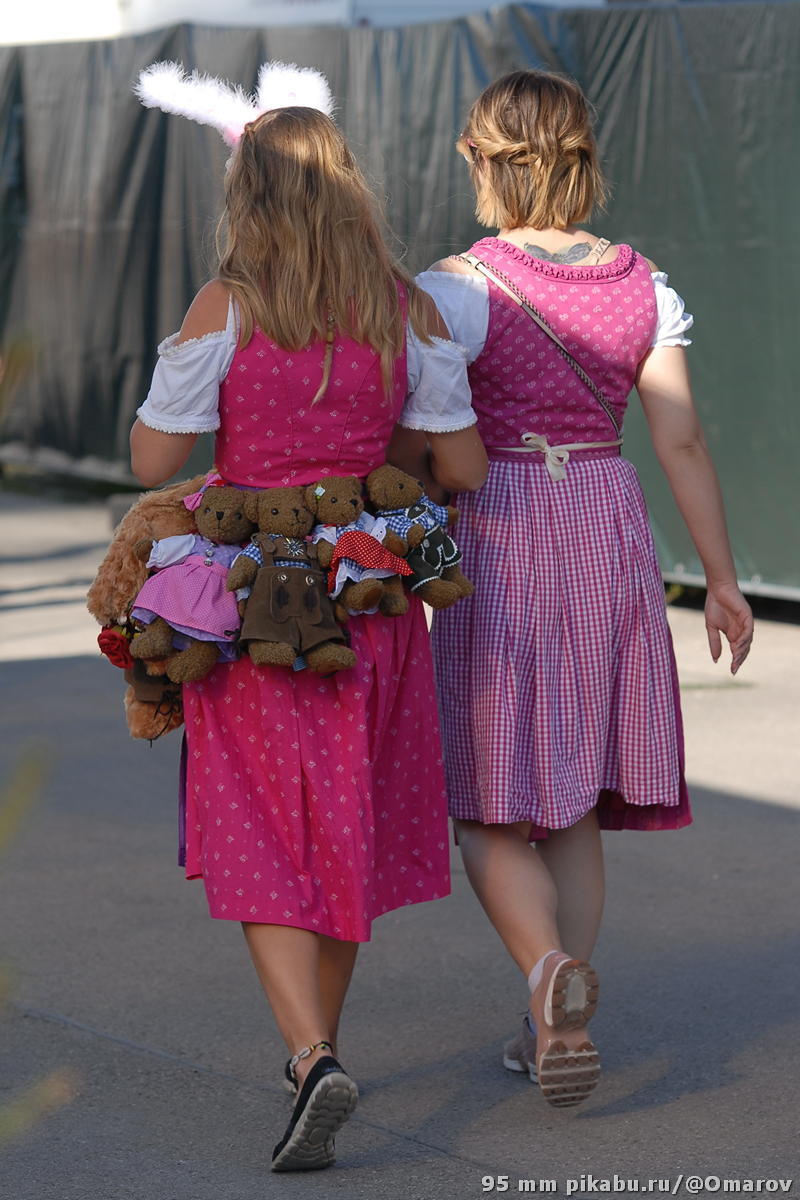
[108,213]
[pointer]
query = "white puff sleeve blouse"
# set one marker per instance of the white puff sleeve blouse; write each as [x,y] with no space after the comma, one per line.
[184,393]
[463,301]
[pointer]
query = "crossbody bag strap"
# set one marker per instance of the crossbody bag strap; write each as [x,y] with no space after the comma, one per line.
[600,249]
[505,285]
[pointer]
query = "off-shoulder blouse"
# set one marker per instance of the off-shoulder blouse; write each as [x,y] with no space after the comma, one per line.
[184,393]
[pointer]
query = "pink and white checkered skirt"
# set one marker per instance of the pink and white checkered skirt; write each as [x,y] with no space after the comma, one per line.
[557,680]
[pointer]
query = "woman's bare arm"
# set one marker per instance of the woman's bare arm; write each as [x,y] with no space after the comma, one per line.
[458,460]
[666,395]
[408,450]
[443,462]
[157,456]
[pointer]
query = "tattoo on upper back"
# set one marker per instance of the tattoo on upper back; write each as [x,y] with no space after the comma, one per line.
[570,254]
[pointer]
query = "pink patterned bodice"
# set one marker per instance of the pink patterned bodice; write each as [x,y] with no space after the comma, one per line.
[270,435]
[606,317]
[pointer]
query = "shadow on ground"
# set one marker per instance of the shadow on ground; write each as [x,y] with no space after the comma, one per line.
[120,976]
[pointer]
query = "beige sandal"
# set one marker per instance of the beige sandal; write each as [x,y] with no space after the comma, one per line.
[564,1000]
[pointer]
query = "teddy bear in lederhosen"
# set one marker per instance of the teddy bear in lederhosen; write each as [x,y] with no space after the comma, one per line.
[288,612]
[419,526]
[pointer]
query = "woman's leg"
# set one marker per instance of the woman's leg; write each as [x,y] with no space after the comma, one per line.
[287,963]
[515,887]
[290,963]
[336,962]
[305,977]
[542,898]
[574,858]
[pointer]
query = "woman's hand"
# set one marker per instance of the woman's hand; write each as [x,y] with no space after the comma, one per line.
[666,396]
[728,612]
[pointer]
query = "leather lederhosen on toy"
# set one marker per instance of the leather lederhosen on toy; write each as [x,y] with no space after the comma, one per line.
[289,601]
[435,553]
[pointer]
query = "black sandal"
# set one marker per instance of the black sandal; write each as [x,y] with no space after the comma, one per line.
[327,1098]
[290,1079]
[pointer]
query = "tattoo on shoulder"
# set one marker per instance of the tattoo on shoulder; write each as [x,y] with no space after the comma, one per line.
[570,254]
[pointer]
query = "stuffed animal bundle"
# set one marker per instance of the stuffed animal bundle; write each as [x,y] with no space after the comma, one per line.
[288,612]
[184,612]
[122,573]
[152,702]
[362,574]
[420,533]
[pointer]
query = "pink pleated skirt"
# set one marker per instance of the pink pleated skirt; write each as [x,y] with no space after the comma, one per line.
[557,683]
[319,802]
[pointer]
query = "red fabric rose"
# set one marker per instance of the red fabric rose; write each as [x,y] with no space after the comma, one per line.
[113,642]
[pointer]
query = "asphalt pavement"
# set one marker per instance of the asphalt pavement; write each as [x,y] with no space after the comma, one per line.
[140,1060]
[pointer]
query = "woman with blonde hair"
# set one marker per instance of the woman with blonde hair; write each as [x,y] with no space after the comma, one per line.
[557,680]
[313,804]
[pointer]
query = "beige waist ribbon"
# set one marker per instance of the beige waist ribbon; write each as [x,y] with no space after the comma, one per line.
[555,457]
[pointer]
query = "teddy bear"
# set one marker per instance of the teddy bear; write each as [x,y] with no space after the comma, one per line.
[152,702]
[288,612]
[420,533]
[184,612]
[122,573]
[362,575]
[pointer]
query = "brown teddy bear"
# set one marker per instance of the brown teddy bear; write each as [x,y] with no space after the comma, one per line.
[184,612]
[152,702]
[362,575]
[122,573]
[420,529]
[288,612]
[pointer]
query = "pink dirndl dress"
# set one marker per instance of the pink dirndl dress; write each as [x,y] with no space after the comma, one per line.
[557,679]
[315,802]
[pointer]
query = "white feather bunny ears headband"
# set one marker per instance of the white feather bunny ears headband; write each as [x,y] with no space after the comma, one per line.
[211,101]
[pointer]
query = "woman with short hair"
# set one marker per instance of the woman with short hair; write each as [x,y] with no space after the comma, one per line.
[557,680]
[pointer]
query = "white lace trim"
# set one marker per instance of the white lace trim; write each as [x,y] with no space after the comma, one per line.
[439,398]
[451,345]
[425,426]
[170,427]
[169,349]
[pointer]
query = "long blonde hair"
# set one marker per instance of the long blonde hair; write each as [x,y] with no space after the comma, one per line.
[300,244]
[532,154]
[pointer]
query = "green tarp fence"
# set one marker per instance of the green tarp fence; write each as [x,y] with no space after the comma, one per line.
[108,212]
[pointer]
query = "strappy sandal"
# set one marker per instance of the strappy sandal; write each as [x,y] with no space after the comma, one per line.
[567,1061]
[290,1082]
[327,1098]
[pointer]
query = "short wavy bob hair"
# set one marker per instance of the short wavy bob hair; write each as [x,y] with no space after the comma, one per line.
[532,154]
